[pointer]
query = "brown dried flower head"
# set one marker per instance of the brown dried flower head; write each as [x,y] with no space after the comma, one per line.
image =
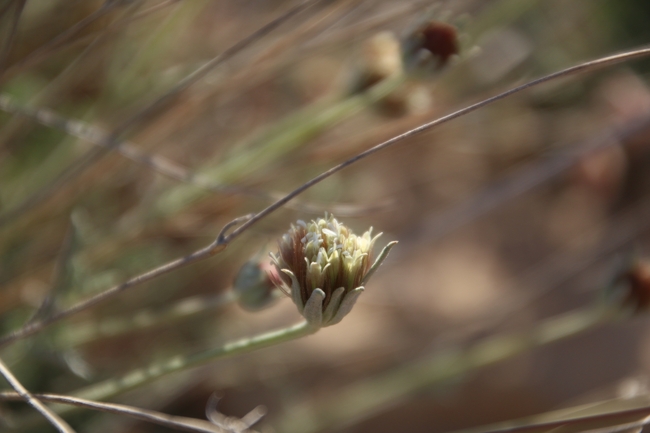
[431,46]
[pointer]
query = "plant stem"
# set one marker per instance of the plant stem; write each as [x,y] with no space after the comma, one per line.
[141,376]
[47,413]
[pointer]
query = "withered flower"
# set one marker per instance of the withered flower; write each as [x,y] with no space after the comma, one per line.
[324,267]
[630,287]
[431,46]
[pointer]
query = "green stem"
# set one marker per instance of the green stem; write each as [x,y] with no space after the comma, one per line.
[141,376]
[362,399]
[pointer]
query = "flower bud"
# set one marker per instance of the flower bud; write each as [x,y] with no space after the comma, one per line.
[324,266]
[254,286]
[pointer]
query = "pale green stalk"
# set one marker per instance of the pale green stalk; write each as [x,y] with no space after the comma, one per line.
[141,376]
[365,398]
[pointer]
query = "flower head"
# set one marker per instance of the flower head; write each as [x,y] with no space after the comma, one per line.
[324,266]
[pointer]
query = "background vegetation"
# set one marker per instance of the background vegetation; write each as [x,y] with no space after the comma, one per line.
[506,217]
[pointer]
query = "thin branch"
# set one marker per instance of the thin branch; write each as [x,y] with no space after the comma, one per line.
[74,169]
[582,423]
[33,328]
[65,39]
[158,105]
[23,394]
[59,42]
[9,42]
[170,421]
[581,68]
[162,165]
[77,167]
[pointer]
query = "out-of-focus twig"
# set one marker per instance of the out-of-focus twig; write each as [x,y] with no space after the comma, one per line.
[165,166]
[19,5]
[60,41]
[23,394]
[170,421]
[74,169]
[34,327]
[68,39]
[583,67]
[605,416]
[158,105]
[77,167]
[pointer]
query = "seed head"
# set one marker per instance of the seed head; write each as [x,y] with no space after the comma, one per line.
[324,266]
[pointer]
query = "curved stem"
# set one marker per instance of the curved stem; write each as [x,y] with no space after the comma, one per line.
[577,69]
[141,376]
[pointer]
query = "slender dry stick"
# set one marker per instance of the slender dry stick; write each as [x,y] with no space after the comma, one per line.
[35,327]
[67,174]
[59,42]
[223,240]
[169,421]
[52,417]
[160,164]
[583,67]
[77,167]
[160,103]
[67,40]
[568,424]
[9,42]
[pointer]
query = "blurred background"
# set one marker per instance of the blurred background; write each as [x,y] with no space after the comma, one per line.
[507,216]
